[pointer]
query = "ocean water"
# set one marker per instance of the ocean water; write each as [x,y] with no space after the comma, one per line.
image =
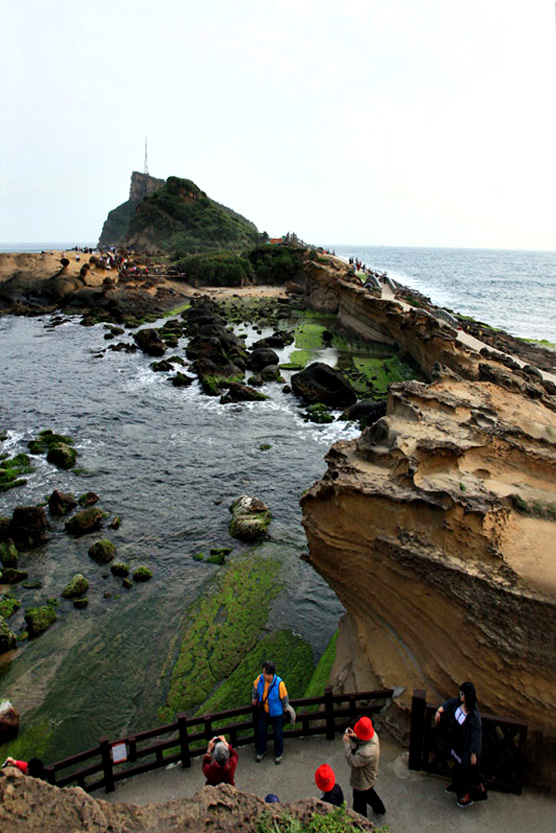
[509,289]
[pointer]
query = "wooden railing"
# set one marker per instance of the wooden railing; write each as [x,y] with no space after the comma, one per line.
[502,752]
[112,761]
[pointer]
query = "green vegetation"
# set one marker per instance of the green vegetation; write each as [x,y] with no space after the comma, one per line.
[8,606]
[222,627]
[180,217]
[318,413]
[102,551]
[293,658]
[120,569]
[216,269]
[45,440]
[142,574]
[276,264]
[321,674]
[542,342]
[33,743]
[535,509]
[336,820]
[38,619]
[78,586]
[11,470]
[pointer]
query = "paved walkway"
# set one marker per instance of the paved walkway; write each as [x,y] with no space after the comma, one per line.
[415,802]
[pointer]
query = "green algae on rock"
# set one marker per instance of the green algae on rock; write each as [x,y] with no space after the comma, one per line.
[8,639]
[119,569]
[294,662]
[250,518]
[8,606]
[76,587]
[88,520]
[8,553]
[62,455]
[102,551]
[142,574]
[11,469]
[222,626]
[38,619]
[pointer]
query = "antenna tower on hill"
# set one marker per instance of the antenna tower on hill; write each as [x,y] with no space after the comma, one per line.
[146,168]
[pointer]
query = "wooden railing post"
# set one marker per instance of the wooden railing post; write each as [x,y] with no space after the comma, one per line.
[50,775]
[418,708]
[184,740]
[107,765]
[209,734]
[329,712]
[255,720]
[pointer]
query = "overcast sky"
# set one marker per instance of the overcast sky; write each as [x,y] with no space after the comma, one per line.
[378,122]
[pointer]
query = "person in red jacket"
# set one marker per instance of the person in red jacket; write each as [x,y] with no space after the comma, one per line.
[219,762]
[35,767]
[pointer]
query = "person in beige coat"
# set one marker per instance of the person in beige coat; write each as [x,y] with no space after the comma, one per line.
[362,752]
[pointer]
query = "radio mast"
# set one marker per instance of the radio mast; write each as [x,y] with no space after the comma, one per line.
[146,168]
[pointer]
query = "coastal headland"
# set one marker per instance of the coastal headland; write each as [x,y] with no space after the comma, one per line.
[435,526]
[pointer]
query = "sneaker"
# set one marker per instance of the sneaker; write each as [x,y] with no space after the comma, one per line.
[465,801]
[278,760]
[260,757]
[451,788]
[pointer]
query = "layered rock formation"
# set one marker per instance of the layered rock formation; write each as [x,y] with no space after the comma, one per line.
[116,224]
[436,527]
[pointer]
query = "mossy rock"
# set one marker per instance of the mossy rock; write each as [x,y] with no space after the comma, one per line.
[62,455]
[265,446]
[8,553]
[45,440]
[12,576]
[80,603]
[88,499]
[8,639]
[318,413]
[32,584]
[119,569]
[102,551]
[60,503]
[250,518]
[127,583]
[142,574]
[199,556]
[8,607]
[115,523]
[11,469]
[76,587]
[38,619]
[88,520]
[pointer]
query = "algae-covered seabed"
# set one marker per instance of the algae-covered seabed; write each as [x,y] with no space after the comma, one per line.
[204,650]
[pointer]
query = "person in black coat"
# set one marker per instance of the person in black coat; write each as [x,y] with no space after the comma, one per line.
[465,741]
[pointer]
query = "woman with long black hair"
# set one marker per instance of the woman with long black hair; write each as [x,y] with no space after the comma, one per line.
[465,741]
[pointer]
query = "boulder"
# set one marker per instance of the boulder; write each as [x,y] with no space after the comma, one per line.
[75,588]
[262,357]
[142,574]
[366,412]
[88,520]
[60,503]
[28,526]
[9,721]
[38,619]
[88,499]
[12,576]
[102,551]
[241,393]
[62,455]
[119,569]
[182,380]
[149,341]
[250,518]
[321,383]
[8,553]
[7,638]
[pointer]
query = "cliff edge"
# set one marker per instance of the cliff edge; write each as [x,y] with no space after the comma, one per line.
[436,527]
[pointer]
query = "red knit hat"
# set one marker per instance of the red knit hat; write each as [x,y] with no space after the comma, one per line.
[325,778]
[364,728]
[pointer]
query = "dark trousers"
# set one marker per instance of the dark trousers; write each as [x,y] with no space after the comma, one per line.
[363,797]
[264,720]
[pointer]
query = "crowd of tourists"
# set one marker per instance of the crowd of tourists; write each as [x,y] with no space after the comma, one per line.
[361,748]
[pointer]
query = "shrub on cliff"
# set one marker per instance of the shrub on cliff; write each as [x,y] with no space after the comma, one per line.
[275,264]
[222,269]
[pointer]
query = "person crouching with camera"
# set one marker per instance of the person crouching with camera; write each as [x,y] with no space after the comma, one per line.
[219,762]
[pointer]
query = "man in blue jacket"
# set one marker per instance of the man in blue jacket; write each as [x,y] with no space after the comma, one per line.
[270,695]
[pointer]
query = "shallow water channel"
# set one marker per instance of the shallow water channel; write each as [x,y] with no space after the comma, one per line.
[169,461]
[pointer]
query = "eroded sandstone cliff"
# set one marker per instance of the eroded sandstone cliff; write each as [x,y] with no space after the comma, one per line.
[436,527]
